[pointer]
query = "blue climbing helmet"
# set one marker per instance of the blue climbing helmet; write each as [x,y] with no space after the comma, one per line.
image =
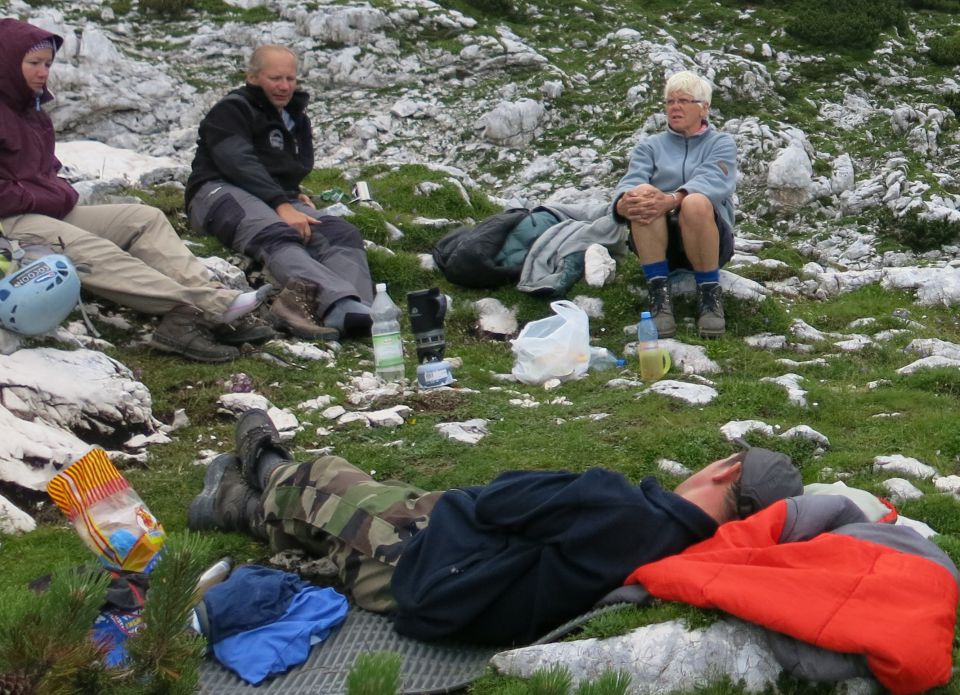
[39,295]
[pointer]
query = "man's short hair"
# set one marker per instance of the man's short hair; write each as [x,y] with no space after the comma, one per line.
[258,57]
[689,82]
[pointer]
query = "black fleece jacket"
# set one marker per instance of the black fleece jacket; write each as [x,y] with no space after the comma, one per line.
[243,141]
[507,562]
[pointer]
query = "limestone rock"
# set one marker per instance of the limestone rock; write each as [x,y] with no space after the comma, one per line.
[599,266]
[14,520]
[737,429]
[78,389]
[468,432]
[660,658]
[695,394]
[901,489]
[903,464]
[495,319]
[513,123]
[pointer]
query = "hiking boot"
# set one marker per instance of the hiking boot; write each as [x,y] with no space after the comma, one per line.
[294,312]
[257,438]
[226,502]
[711,323]
[247,329]
[184,331]
[661,307]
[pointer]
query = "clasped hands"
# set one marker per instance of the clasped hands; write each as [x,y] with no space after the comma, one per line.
[645,203]
[298,220]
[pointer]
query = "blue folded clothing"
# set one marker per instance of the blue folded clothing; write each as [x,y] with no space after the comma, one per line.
[250,597]
[279,645]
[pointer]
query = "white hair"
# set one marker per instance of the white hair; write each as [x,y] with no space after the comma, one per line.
[688,82]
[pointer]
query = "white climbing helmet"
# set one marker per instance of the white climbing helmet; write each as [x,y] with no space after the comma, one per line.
[38,296]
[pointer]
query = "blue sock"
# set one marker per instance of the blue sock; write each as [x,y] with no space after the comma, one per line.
[707,276]
[660,269]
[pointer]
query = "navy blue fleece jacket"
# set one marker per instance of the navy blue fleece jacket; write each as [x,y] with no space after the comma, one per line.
[507,562]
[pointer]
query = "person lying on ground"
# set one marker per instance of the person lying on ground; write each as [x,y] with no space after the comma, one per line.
[128,254]
[255,149]
[841,596]
[677,196]
[502,563]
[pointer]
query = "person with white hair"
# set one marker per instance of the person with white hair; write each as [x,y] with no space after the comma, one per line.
[677,197]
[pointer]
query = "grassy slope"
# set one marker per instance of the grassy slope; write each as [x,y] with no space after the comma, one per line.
[638,431]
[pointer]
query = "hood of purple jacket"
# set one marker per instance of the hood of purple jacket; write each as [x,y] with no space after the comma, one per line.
[16,38]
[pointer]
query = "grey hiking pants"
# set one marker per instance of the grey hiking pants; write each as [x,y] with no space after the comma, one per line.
[131,254]
[333,259]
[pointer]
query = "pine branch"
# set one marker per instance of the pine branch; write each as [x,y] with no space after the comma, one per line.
[164,655]
[51,635]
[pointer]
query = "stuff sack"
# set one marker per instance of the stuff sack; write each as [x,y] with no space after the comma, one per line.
[466,255]
[557,347]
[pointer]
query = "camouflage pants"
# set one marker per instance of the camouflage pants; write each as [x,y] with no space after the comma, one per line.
[333,510]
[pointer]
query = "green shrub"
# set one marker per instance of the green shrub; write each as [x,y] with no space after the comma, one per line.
[924,235]
[945,50]
[851,24]
[498,8]
[167,8]
[938,5]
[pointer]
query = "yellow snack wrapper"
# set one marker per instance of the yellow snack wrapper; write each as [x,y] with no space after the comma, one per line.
[107,513]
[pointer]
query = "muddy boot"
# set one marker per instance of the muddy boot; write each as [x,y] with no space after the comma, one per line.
[185,332]
[294,312]
[226,502]
[259,448]
[247,329]
[661,307]
[711,323]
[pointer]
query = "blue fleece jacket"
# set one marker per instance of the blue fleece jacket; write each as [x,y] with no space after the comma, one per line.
[703,163]
[507,562]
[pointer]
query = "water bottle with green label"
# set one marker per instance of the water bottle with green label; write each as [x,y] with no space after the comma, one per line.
[387,345]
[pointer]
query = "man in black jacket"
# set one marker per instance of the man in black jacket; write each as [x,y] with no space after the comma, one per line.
[502,563]
[254,150]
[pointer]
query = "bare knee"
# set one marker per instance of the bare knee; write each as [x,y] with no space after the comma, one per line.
[696,208]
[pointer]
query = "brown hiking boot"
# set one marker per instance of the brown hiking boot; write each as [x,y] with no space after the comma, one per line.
[294,312]
[226,501]
[184,331]
[711,323]
[661,307]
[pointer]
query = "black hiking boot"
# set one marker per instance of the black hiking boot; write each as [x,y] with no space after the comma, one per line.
[247,329]
[661,307]
[258,447]
[226,502]
[184,331]
[711,323]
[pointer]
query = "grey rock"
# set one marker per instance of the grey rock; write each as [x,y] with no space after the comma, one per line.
[661,658]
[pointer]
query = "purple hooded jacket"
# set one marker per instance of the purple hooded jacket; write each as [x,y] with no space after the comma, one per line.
[28,167]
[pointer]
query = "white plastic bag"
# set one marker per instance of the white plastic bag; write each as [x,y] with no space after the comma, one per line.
[554,347]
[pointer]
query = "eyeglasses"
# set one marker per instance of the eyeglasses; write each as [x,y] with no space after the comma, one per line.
[683,102]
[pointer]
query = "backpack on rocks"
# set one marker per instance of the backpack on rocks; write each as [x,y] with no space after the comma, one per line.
[466,255]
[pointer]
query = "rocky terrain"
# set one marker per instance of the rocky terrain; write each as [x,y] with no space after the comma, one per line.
[848,169]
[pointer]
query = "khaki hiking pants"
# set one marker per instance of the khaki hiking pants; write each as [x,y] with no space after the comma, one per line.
[135,258]
[333,510]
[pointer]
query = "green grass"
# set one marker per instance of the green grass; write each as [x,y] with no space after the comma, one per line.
[638,430]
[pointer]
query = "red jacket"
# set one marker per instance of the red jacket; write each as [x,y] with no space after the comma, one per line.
[28,167]
[835,590]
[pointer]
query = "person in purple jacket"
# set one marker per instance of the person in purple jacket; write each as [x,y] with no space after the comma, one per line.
[677,196]
[502,563]
[128,254]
